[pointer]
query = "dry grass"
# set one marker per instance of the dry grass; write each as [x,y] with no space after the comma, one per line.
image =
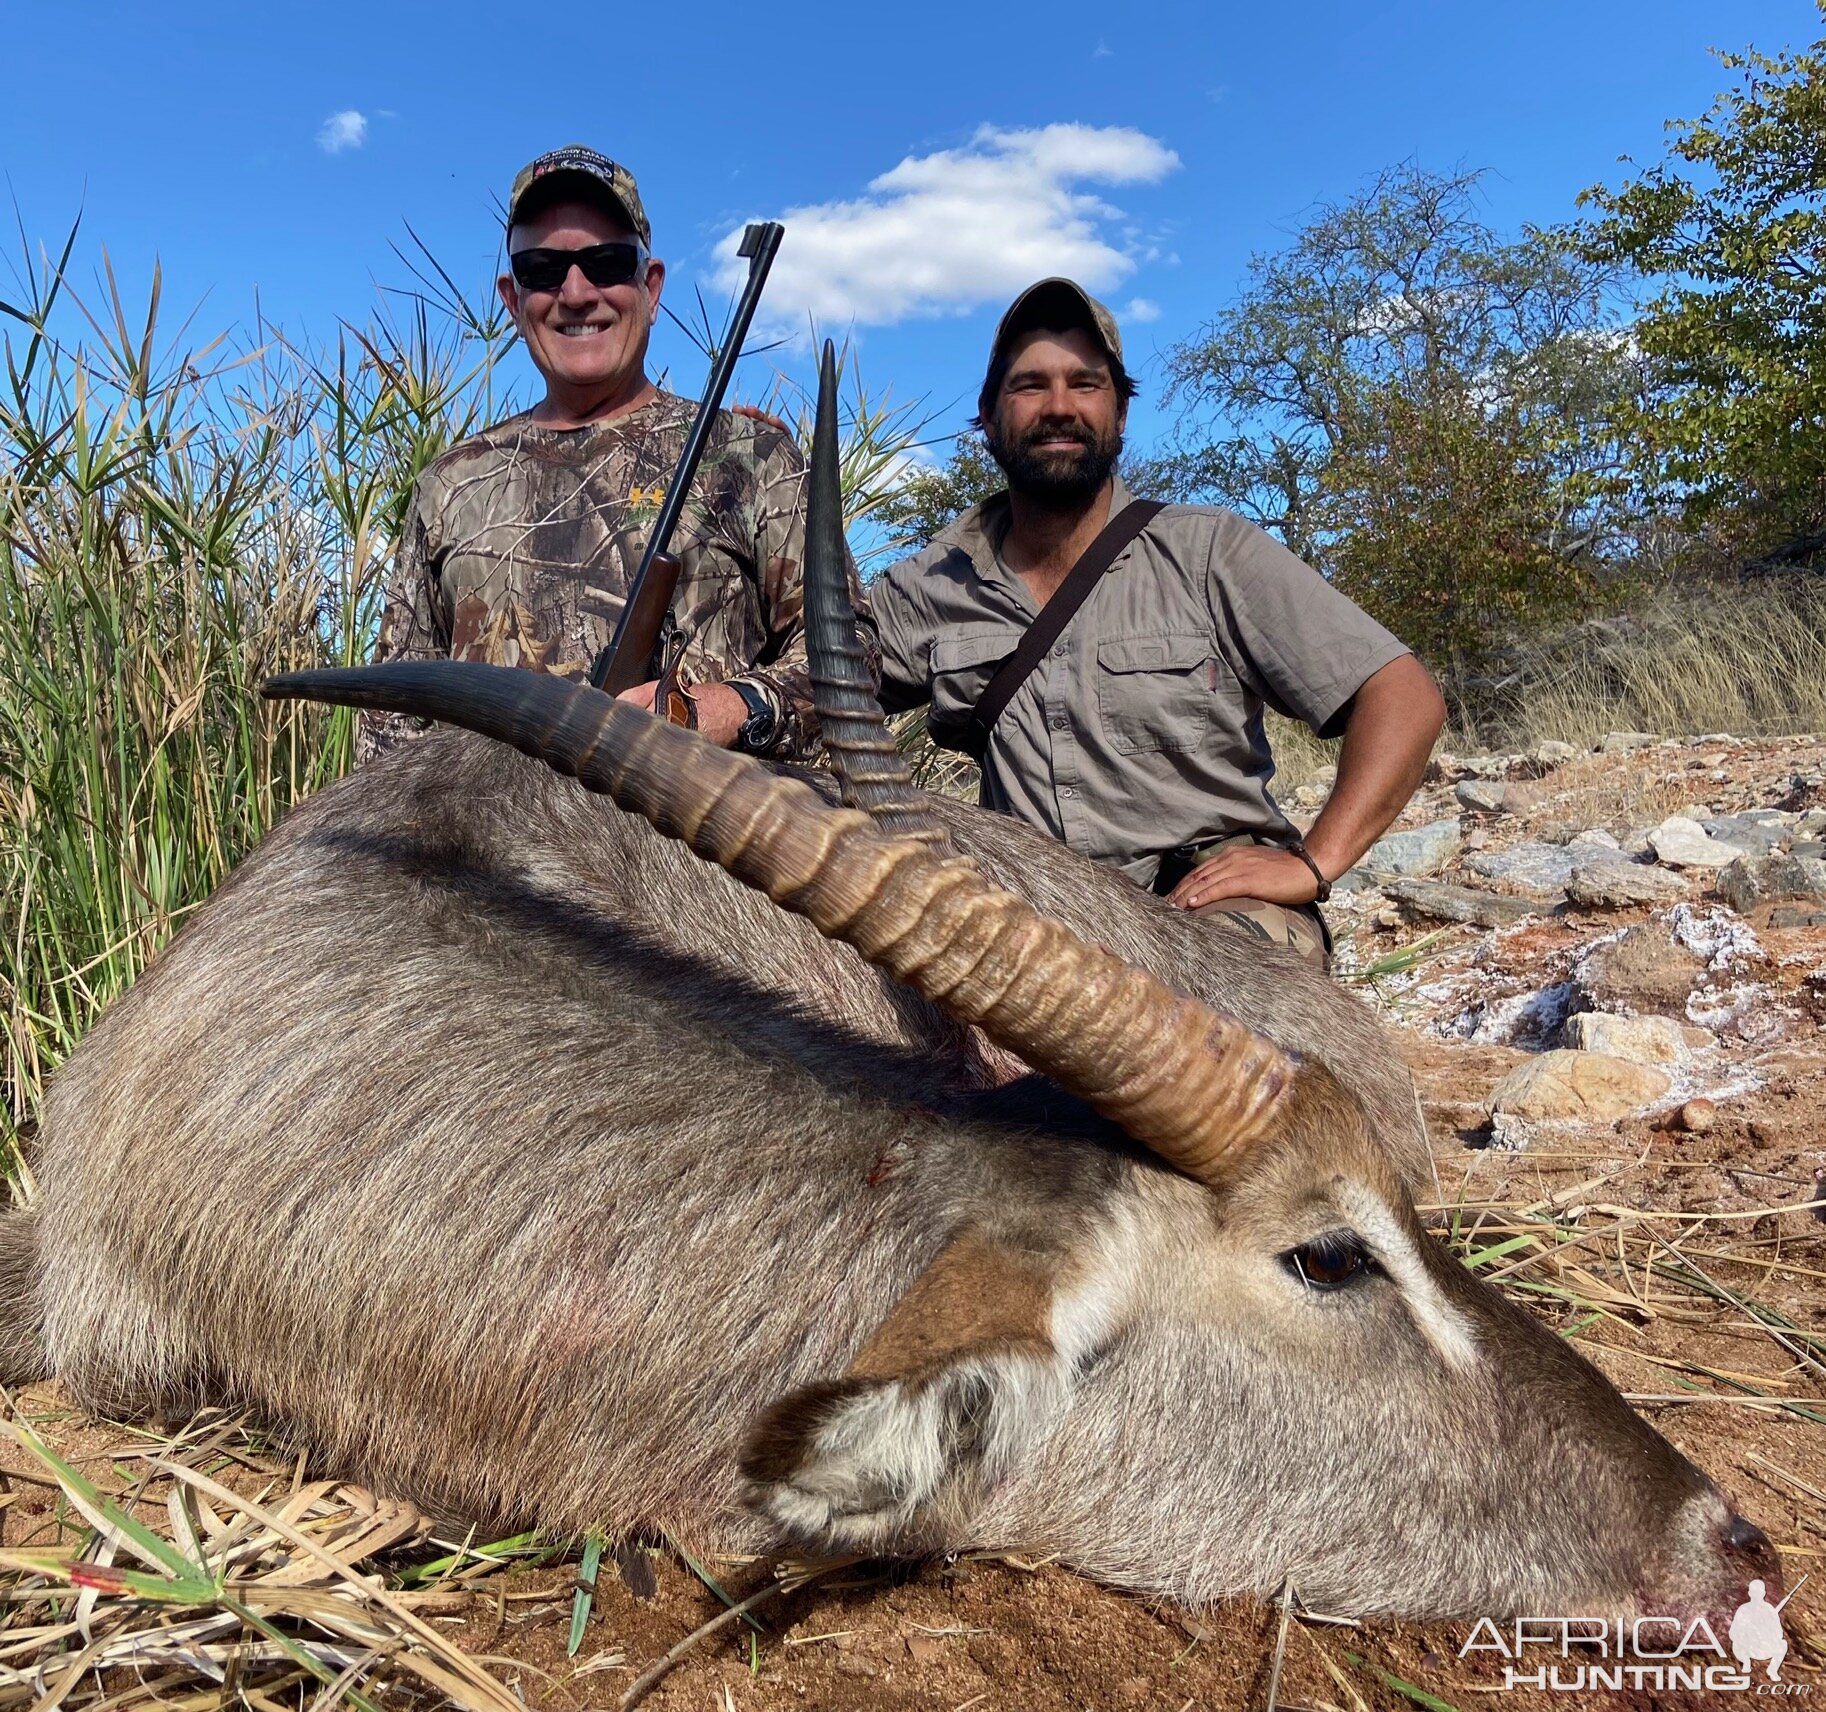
[1593,791]
[210,1574]
[179,1589]
[1600,1259]
[1747,658]
[1299,757]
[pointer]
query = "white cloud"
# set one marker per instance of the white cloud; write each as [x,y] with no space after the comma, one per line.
[1141,309]
[942,233]
[345,130]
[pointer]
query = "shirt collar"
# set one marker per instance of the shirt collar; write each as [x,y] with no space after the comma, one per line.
[980,530]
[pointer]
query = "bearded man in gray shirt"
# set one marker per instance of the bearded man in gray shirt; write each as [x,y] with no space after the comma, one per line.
[1137,737]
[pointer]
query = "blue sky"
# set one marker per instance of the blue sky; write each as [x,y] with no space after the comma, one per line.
[926,160]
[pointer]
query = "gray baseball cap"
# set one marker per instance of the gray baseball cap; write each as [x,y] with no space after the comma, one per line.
[1058,303]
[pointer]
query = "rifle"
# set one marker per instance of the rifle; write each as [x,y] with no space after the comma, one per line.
[647,641]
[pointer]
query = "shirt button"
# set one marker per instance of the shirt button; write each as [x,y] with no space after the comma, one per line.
[1060,722]
[1059,651]
[1067,791]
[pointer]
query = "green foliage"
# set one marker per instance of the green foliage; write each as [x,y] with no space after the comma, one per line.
[1733,223]
[1448,525]
[927,501]
[176,523]
[1421,410]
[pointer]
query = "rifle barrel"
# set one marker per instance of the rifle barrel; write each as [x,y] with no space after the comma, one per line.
[760,242]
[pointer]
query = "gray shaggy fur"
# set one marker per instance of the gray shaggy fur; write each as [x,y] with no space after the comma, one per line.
[22,1355]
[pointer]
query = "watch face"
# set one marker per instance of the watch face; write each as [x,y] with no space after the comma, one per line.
[758,728]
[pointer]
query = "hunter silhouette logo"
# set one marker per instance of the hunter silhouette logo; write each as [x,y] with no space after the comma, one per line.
[1756,1632]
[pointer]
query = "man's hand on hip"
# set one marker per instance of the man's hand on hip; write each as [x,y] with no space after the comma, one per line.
[721,713]
[1260,871]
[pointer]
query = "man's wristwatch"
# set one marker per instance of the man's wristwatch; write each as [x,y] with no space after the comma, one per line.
[1298,848]
[762,724]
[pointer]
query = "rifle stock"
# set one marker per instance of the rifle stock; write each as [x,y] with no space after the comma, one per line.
[633,656]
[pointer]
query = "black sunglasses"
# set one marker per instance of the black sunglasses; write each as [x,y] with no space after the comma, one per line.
[602,264]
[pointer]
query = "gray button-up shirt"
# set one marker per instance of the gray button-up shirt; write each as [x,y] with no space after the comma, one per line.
[1141,730]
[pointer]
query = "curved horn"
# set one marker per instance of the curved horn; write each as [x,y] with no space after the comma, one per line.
[1181,1079]
[869,764]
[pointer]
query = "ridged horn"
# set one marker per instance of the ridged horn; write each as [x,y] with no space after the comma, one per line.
[1180,1078]
[869,765]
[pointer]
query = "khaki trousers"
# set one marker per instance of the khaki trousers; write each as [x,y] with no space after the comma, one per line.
[1301,930]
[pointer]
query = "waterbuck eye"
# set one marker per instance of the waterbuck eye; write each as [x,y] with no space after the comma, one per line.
[1330,1262]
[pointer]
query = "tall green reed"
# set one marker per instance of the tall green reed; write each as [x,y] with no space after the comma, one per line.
[177,521]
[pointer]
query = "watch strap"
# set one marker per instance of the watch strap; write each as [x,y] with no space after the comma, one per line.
[762,725]
[1298,848]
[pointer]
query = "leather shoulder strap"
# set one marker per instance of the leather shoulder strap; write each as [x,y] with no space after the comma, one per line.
[1053,618]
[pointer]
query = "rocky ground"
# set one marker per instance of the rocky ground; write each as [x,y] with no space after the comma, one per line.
[1641,925]
[1608,971]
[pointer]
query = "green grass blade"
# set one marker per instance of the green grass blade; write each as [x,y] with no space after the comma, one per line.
[108,1518]
[1401,1686]
[586,1593]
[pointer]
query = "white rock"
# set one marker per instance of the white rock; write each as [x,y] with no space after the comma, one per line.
[1534,869]
[1683,843]
[1605,879]
[1640,1039]
[1492,796]
[1419,851]
[1753,880]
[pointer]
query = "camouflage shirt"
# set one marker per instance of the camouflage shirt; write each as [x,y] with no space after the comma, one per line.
[521,542]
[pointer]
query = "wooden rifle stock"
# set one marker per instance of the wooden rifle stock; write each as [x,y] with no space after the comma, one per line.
[645,645]
[633,656]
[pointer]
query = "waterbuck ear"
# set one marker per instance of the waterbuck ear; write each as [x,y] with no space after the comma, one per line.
[948,1394]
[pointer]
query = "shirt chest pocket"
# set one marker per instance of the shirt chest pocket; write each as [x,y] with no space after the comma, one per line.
[963,662]
[1155,692]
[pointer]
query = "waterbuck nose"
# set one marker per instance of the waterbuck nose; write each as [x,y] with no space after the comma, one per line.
[1751,1555]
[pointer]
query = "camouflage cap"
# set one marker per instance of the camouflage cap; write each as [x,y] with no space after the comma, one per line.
[1058,303]
[579,170]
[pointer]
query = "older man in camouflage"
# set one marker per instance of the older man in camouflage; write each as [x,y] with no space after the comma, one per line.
[521,542]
